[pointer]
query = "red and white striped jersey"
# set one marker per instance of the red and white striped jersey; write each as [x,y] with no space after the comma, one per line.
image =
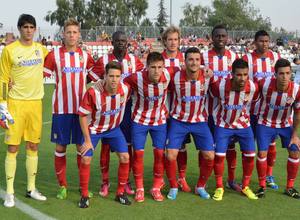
[70,70]
[106,110]
[188,97]
[276,108]
[233,107]
[130,65]
[261,67]
[173,64]
[149,99]
[221,67]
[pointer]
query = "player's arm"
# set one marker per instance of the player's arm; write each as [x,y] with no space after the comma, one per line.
[49,65]
[5,69]
[84,111]
[97,71]
[296,121]
[91,77]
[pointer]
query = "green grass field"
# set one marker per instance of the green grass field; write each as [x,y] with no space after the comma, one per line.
[187,206]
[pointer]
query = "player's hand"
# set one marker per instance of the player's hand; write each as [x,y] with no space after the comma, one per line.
[208,73]
[99,85]
[85,147]
[5,116]
[295,141]
[10,84]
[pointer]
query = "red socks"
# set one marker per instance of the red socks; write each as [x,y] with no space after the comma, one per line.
[219,170]
[104,162]
[138,168]
[84,178]
[171,173]
[158,167]
[261,166]
[292,170]
[248,165]
[205,166]
[182,163]
[271,158]
[231,162]
[60,168]
[123,173]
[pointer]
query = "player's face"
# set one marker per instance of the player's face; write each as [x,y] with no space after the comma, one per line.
[262,44]
[172,42]
[120,42]
[71,35]
[155,69]
[240,77]
[27,31]
[113,78]
[192,62]
[220,38]
[283,76]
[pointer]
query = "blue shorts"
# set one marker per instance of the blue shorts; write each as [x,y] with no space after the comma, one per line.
[223,136]
[66,129]
[211,123]
[139,135]
[265,136]
[253,122]
[200,132]
[114,138]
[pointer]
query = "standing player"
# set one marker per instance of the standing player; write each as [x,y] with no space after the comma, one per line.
[106,110]
[279,115]
[173,61]
[220,60]
[130,64]
[188,115]
[69,64]
[233,120]
[22,63]
[261,65]
[149,115]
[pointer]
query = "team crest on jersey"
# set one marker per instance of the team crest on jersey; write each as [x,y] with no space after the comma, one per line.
[289,100]
[246,97]
[272,62]
[122,99]
[37,53]
[229,62]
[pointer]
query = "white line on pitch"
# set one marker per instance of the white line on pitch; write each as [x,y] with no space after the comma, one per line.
[32,212]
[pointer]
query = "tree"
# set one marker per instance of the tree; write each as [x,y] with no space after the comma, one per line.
[146,23]
[194,15]
[99,12]
[162,16]
[237,14]
[67,9]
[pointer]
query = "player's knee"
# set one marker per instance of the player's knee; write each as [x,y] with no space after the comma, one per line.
[294,154]
[60,148]
[124,157]
[172,155]
[262,154]
[32,146]
[86,160]
[208,155]
[13,149]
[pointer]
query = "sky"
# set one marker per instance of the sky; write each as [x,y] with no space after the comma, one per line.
[288,18]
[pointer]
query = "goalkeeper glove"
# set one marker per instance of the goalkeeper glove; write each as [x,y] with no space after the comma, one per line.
[5,116]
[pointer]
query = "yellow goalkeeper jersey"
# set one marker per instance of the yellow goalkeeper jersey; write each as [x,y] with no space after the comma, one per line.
[23,65]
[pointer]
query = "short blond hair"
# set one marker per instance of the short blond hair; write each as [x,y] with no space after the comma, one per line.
[170,30]
[71,21]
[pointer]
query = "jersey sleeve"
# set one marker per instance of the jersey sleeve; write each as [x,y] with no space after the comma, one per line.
[256,93]
[89,66]
[5,69]
[45,51]
[87,105]
[49,65]
[131,81]
[296,105]
[98,70]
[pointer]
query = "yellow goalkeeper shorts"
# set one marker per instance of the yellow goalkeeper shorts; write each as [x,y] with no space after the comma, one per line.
[27,115]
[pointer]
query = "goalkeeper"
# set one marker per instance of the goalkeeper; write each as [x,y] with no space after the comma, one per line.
[21,108]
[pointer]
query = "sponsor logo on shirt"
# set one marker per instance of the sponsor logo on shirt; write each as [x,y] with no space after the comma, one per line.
[221,73]
[278,107]
[113,111]
[32,62]
[72,69]
[235,107]
[263,74]
[154,98]
[195,98]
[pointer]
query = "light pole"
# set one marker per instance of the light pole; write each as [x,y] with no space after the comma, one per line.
[170,12]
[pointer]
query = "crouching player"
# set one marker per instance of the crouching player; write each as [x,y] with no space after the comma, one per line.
[280,102]
[232,119]
[106,110]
